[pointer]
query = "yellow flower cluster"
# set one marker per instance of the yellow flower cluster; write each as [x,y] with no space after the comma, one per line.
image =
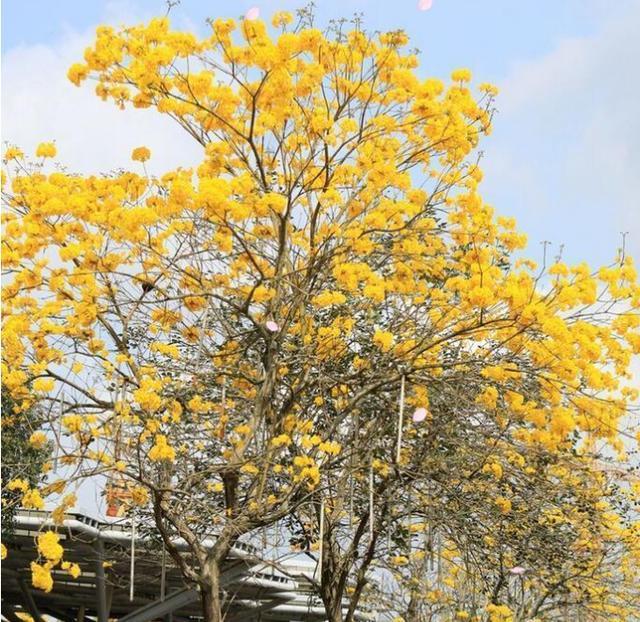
[307,471]
[499,613]
[383,339]
[49,547]
[38,439]
[41,576]
[140,154]
[161,450]
[46,150]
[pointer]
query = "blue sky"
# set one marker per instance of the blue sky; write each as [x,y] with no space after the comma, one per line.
[564,156]
[484,35]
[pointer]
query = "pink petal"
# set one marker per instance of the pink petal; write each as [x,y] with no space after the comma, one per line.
[519,570]
[419,415]
[272,326]
[424,5]
[252,13]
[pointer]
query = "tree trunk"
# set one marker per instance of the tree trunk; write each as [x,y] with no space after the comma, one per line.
[210,589]
[331,588]
[332,604]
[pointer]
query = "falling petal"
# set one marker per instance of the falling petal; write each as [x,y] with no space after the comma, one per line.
[419,415]
[519,570]
[272,326]
[252,13]
[424,5]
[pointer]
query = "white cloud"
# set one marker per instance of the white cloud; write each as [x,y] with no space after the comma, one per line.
[567,149]
[39,103]
[566,156]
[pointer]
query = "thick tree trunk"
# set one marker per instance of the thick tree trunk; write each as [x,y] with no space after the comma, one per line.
[331,582]
[210,587]
[333,604]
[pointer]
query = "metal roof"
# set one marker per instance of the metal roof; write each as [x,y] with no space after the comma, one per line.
[253,588]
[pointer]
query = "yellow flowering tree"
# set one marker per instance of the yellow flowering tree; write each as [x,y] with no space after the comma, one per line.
[473,486]
[231,342]
[564,547]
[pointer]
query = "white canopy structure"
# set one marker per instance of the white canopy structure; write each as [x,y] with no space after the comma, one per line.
[255,590]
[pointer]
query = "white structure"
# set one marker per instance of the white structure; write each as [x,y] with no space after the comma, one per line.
[254,590]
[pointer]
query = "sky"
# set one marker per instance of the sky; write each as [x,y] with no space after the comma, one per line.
[564,156]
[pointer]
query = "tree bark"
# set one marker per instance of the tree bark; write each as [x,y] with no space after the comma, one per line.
[209,581]
[332,603]
[332,577]
[210,587]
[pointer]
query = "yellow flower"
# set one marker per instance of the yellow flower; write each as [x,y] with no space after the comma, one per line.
[72,423]
[461,75]
[499,613]
[281,440]
[77,73]
[140,154]
[262,294]
[503,504]
[72,569]
[43,385]
[139,495]
[380,467]
[49,546]
[13,153]
[167,349]
[488,88]
[328,298]
[383,339]
[281,18]
[488,398]
[3,551]
[41,577]
[67,502]
[32,500]
[18,484]
[38,440]
[46,150]
[493,468]
[162,450]
[330,447]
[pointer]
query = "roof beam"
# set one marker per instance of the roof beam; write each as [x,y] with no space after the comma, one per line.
[160,608]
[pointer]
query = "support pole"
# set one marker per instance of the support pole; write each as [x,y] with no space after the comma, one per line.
[58,435]
[132,567]
[321,541]
[371,510]
[205,320]
[103,610]
[356,430]
[163,574]
[400,421]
